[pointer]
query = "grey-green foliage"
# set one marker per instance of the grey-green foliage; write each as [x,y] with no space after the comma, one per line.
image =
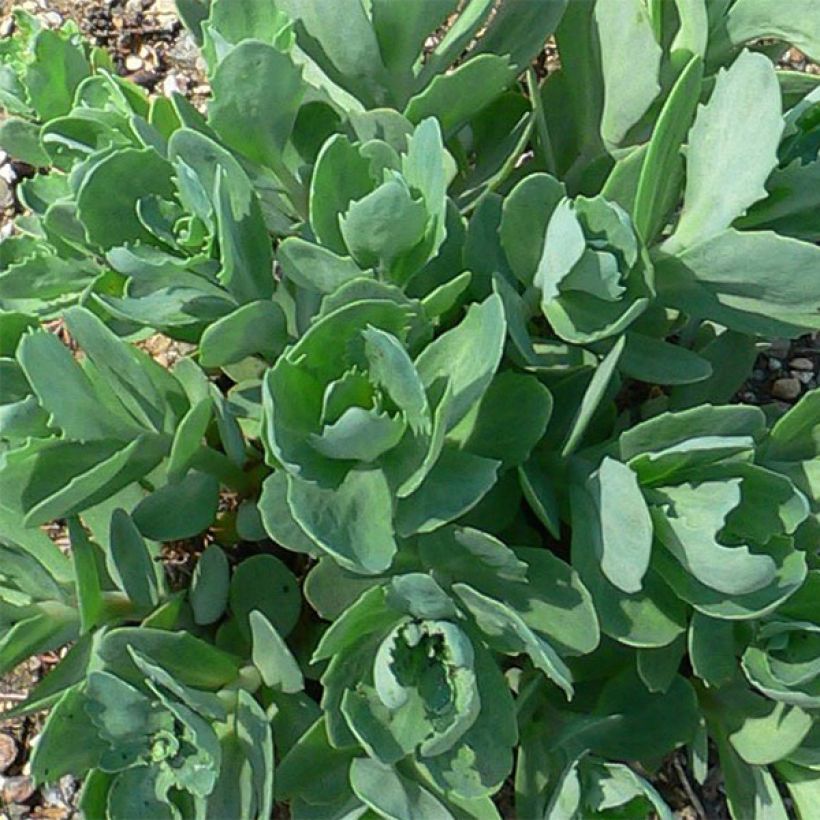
[158,721]
[42,69]
[594,276]
[446,495]
[365,450]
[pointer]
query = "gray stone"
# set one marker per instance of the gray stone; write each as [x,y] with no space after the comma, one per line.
[8,751]
[6,196]
[786,389]
[801,363]
[8,174]
[17,789]
[775,364]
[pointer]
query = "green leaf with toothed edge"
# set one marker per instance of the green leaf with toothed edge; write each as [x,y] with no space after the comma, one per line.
[107,199]
[70,743]
[72,400]
[55,478]
[240,112]
[626,41]
[353,522]
[717,194]
[507,632]
[795,23]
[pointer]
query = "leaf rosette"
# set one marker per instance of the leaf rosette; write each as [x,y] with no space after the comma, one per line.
[782,662]
[376,205]
[424,687]
[594,276]
[591,788]
[432,692]
[357,415]
[154,739]
[705,522]
[41,70]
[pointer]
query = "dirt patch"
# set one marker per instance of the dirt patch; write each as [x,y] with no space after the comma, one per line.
[144,37]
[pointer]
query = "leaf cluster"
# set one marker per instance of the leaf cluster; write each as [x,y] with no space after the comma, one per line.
[449,489]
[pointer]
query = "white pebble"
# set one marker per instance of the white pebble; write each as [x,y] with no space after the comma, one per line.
[7,173]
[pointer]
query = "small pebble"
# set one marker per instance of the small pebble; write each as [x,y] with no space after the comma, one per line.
[52,19]
[802,363]
[167,22]
[8,751]
[803,376]
[6,196]
[775,364]
[786,389]
[17,789]
[59,794]
[6,27]
[8,174]
[170,85]
[759,375]
[69,786]
[133,63]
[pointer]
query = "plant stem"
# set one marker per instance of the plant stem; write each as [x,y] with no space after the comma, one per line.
[541,123]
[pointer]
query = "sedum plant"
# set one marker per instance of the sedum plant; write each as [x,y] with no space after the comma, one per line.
[366,453]
[447,503]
